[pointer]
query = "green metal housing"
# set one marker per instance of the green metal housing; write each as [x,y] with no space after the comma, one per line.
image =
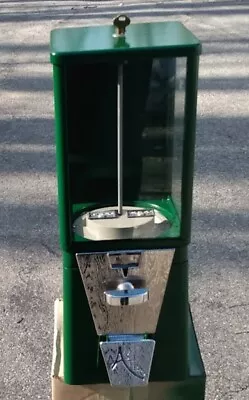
[78,47]
[176,345]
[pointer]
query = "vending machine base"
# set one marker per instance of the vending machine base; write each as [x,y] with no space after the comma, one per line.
[193,388]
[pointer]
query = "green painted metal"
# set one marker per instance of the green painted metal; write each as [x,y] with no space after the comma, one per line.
[193,386]
[64,203]
[172,331]
[72,48]
[66,43]
[170,37]
[189,145]
[80,340]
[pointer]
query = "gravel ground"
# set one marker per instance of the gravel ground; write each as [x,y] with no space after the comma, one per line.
[30,258]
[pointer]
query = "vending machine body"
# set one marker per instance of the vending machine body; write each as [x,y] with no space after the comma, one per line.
[125,110]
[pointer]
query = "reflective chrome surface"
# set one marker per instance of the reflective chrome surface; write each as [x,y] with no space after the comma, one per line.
[102,273]
[124,260]
[128,359]
[126,295]
[141,213]
[110,214]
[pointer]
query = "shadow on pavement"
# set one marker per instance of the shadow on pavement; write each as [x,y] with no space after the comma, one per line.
[160,9]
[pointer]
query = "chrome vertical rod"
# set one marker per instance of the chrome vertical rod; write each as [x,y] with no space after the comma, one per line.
[120,138]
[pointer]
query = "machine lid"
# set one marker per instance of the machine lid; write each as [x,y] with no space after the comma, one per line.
[173,38]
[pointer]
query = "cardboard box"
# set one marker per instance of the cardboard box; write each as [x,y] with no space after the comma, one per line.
[62,391]
[192,387]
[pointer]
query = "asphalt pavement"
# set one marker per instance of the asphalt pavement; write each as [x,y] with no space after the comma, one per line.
[29,253]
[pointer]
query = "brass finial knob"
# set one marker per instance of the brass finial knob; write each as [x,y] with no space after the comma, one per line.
[121,22]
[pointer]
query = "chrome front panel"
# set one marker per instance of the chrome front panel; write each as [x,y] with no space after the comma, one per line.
[102,273]
[128,359]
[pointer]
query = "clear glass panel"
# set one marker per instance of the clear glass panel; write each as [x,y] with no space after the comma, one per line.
[180,90]
[152,121]
[163,138]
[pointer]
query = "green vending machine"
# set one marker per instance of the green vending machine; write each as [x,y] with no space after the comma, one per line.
[125,110]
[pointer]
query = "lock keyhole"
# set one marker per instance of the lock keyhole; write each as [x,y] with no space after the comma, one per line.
[121,22]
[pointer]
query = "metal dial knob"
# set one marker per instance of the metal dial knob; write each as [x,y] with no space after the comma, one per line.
[126,295]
